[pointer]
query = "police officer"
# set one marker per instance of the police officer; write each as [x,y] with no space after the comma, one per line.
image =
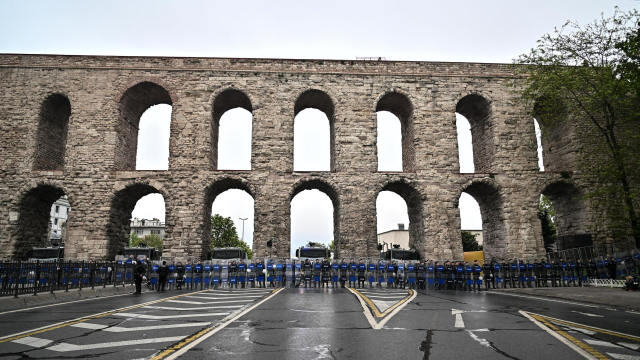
[326,273]
[522,267]
[371,269]
[317,273]
[572,272]
[242,270]
[458,270]
[361,273]
[513,271]
[537,270]
[344,272]
[505,274]
[138,274]
[448,274]
[353,269]
[477,271]
[487,273]
[579,271]
[306,271]
[564,272]
[335,273]
[555,271]
[420,275]
[251,274]
[260,274]
[179,275]
[163,272]
[592,269]
[233,273]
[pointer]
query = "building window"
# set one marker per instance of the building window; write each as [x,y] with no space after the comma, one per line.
[55,221]
[57,209]
[155,232]
[139,232]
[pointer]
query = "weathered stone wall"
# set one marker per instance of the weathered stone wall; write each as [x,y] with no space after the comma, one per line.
[108,94]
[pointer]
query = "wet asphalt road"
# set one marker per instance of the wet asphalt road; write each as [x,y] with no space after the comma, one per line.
[317,324]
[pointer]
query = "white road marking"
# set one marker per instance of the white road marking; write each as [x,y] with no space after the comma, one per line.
[458,313]
[383,305]
[624,357]
[475,337]
[162,317]
[193,308]
[220,298]
[33,341]
[601,343]
[571,345]
[72,347]
[118,329]
[543,298]
[629,345]
[206,302]
[396,310]
[61,303]
[186,348]
[587,314]
[580,330]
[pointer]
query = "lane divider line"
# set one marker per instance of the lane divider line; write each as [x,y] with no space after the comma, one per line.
[43,329]
[591,328]
[188,343]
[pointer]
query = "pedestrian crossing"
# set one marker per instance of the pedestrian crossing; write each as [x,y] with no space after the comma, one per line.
[156,326]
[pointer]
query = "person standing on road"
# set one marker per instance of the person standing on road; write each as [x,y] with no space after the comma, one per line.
[592,269]
[555,271]
[361,272]
[306,273]
[579,272]
[611,266]
[326,273]
[163,272]
[139,274]
[487,274]
[538,268]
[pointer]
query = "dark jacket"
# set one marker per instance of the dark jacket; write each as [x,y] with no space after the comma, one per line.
[163,271]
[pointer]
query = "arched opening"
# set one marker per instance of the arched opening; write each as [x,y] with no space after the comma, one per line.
[314,216]
[137,201]
[554,135]
[37,219]
[477,111]
[153,138]
[567,212]
[489,200]
[399,215]
[52,133]
[395,105]
[229,198]
[465,146]
[470,223]
[313,127]
[231,131]
[133,104]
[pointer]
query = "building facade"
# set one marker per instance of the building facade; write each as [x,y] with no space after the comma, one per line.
[144,227]
[58,223]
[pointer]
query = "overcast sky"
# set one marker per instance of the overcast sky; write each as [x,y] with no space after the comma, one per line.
[469,31]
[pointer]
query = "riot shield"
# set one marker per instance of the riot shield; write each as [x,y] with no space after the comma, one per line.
[628,261]
[188,276]
[317,273]
[242,274]
[297,272]
[573,272]
[602,269]
[335,273]
[411,274]
[401,275]
[216,274]
[430,274]
[635,259]
[153,276]
[497,273]
[280,272]
[353,273]
[380,272]
[271,272]
[391,278]
[440,277]
[197,275]
[251,274]
[224,274]
[289,276]
[206,274]
[260,273]
[468,277]
[621,267]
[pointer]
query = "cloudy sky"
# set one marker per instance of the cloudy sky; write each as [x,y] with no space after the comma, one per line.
[455,30]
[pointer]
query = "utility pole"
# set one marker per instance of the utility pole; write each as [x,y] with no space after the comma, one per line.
[243,227]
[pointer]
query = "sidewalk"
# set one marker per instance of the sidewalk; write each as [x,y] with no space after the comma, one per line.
[614,298]
[28,300]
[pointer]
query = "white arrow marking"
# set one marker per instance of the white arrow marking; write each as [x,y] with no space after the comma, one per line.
[72,347]
[117,329]
[194,308]
[624,357]
[33,341]
[587,314]
[159,317]
[458,313]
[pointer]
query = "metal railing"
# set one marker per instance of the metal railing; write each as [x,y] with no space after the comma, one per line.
[21,277]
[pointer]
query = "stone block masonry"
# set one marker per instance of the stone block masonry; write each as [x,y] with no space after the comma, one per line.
[70,126]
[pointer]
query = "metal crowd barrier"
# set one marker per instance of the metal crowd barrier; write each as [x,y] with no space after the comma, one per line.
[22,277]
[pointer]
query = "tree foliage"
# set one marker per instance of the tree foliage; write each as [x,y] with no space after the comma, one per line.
[152,240]
[588,75]
[469,242]
[547,214]
[224,234]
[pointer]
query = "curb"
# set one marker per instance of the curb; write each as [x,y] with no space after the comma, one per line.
[26,301]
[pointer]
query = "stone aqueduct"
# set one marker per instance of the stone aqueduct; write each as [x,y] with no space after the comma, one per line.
[70,127]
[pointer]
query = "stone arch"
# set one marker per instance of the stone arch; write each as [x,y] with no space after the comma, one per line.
[34,209]
[132,104]
[122,204]
[478,111]
[414,200]
[211,193]
[331,191]
[489,197]
[223,101]
[571,216]
[400,105]
[320,100]
[51,138]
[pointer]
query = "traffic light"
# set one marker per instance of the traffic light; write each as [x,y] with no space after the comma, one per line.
[269,243]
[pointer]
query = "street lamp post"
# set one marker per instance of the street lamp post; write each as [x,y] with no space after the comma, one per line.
[243,227]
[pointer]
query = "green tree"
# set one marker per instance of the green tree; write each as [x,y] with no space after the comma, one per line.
[469,242]
[547,214]
[153,240]
[224,234]
[582,75]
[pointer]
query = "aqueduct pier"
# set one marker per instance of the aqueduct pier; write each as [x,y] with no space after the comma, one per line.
[70,126]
